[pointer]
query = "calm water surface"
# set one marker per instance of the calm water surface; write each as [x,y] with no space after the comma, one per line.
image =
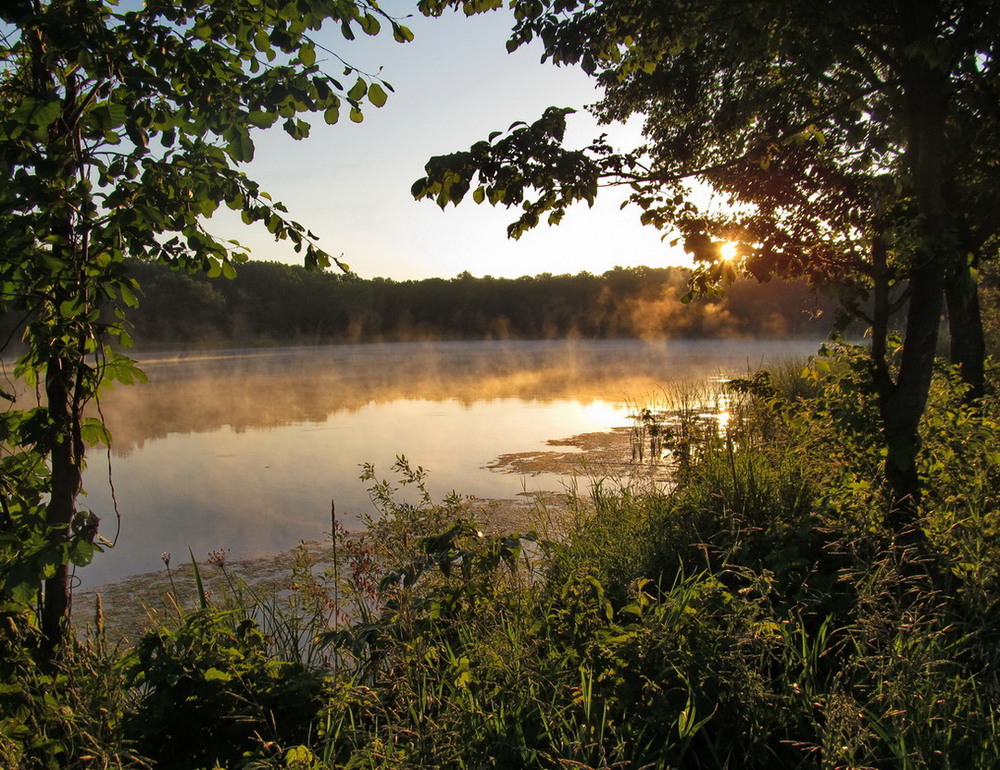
[244,450]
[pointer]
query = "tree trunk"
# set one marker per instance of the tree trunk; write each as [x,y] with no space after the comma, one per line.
[65,459]
[925,91]
[903,405]
[881,313]
[965,327]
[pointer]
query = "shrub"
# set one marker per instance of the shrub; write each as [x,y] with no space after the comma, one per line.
[209,692]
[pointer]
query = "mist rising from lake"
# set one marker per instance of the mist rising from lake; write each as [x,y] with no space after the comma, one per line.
[244,450]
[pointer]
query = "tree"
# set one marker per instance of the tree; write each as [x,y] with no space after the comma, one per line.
[120,132]
[854,143]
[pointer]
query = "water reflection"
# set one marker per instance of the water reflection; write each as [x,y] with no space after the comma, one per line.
[244,450]
[287,386]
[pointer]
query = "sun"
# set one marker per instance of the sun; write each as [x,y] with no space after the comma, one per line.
[729,250]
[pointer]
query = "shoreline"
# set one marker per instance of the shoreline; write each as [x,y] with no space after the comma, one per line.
[136,603]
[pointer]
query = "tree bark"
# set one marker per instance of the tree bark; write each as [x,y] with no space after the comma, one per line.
[925,100]
[66,460]
[965,327]
[903,405]
[881,312]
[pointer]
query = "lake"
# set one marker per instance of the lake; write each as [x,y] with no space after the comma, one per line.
[244,450]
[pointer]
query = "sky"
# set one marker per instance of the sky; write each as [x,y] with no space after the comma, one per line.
[454,84]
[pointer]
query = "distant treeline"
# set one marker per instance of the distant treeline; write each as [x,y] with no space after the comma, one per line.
[270,302]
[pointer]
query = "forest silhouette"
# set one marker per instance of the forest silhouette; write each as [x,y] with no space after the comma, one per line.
[270,302]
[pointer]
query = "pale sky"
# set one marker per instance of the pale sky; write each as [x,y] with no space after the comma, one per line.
[350,183]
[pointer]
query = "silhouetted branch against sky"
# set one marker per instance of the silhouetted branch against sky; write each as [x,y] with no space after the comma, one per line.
[453,84]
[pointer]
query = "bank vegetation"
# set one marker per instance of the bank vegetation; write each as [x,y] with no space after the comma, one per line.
[756,614]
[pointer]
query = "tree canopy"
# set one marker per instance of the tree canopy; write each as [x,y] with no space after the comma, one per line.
[854,143]
[122,128]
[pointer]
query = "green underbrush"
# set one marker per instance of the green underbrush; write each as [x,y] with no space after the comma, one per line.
[755,615]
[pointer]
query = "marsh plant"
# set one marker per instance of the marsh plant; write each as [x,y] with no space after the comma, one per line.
[671,428]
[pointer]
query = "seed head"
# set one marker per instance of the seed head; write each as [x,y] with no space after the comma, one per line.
[218,557]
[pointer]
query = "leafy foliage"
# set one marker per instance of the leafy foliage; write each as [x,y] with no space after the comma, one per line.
[121,132]
[803,142]
[210,692]
[852,144]
[68,714]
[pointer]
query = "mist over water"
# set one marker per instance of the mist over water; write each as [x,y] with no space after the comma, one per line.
[244,449]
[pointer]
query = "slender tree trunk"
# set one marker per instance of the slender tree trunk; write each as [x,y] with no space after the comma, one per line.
[64,390]
[66,461]
[902,406]
[881,312]
[965,327]
[925,91]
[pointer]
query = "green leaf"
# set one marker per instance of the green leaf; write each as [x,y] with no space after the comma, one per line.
[240,147]
[119,368]
[82,553]
[401,34]
[128,297]
[71,308]
[202,598]
[307,55]
[23,591]
[262,119]
[357,90]
[39,113]
[356,115]
[376,95]
[94,432]
[110,115]
[215,675]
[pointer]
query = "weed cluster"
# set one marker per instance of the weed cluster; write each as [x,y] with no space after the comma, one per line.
[756,615]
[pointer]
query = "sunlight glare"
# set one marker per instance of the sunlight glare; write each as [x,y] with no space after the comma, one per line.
[728,250]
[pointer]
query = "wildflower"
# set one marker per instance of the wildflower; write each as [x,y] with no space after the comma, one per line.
[166,560]
[218,557]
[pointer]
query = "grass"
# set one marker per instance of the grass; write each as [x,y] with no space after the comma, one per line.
[754,615]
